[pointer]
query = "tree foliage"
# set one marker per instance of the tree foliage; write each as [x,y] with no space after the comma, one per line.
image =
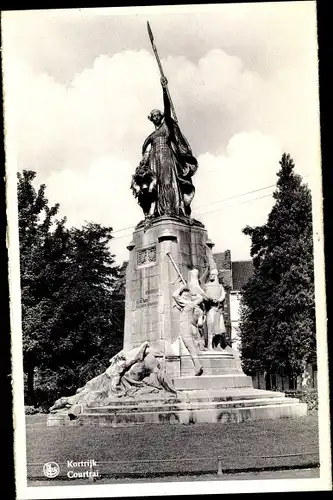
[278,305]
[72,310]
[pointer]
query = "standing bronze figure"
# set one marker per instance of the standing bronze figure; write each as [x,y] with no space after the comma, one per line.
[167,158]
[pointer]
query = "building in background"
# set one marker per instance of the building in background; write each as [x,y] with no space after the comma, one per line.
[233,276]
[242,270]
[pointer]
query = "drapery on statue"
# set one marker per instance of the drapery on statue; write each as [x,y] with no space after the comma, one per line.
[214,316]
[131,374]
[167,163]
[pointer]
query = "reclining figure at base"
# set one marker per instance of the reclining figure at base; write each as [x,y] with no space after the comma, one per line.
[131,374]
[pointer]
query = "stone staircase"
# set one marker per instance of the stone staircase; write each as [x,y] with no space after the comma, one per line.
[194,406]
[222,394]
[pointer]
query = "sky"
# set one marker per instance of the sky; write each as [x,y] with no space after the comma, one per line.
[79,84]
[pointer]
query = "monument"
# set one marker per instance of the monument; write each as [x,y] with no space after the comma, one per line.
[169,370]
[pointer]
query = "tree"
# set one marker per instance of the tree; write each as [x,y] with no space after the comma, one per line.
[39,247]
[89,316]
[278,305]
[72,313]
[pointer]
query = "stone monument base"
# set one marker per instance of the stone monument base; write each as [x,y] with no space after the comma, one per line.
[222,394]
[235,404]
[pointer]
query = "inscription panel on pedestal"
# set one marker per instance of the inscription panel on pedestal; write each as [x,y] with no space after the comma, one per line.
[145,297]
[145,302]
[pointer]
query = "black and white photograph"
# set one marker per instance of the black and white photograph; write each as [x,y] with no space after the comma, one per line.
[166,250]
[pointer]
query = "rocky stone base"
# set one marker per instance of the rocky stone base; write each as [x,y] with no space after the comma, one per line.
[190,406]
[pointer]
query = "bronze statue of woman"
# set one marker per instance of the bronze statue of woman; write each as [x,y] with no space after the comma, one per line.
[167,153]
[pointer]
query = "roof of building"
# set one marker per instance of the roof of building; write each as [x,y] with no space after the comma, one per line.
[223,259]
[242,270]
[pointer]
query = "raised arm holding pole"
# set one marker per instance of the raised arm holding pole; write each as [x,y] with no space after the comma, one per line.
[167,158]
[164,81]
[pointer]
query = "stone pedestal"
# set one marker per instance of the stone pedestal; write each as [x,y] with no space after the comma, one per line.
[223,393]
[150,311]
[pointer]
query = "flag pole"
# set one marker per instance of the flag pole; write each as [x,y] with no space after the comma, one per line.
[151,36]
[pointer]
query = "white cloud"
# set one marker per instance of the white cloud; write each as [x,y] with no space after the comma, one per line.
[101,193]
[264,35]
[238,178]
[103,111]
[241,102]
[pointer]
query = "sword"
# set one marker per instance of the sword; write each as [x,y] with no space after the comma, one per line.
[151,36]
[176,268]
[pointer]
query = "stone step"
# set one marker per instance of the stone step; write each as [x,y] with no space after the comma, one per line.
[193,405]
[185,397]
[213,382]
[208,353]
[198,395]
[228,394]
[213,364]
[187,370]
[208,415]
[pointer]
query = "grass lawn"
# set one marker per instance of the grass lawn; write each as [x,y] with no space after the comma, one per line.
[240,476]
[177,449]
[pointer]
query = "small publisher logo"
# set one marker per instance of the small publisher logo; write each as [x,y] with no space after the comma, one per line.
[51,469]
